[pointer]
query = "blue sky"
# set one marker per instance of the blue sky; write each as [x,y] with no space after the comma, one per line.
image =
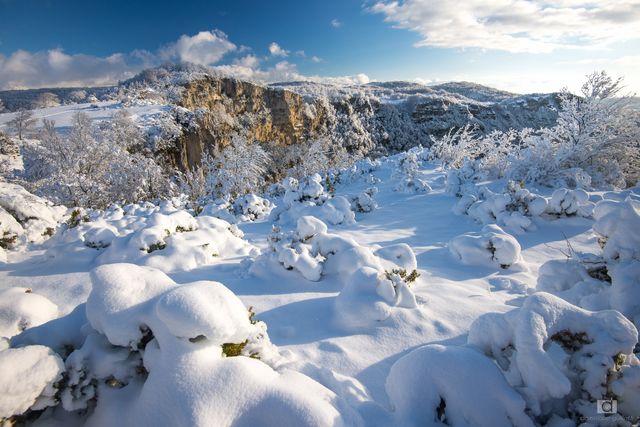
[518,45]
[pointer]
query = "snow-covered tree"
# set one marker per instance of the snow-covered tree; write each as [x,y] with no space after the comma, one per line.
[46,100]
[2,107]
[22,121]
[78,95]
[240,168]
[92,167]
[123,130]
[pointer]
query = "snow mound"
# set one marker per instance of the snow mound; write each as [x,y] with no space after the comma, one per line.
[569,203]
[491,247]
[435,383]
[24,217]
[21,309]
[191,334]
[556,354]
[618,224]
[162,236]
[28,380]
[309,198]
[251,207]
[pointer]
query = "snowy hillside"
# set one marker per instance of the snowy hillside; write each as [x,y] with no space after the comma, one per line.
[386,301]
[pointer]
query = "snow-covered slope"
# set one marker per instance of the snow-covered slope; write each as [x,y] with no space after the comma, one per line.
[351,285]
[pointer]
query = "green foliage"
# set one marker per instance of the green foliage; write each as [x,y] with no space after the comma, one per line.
[8,239]
[232,349]
[74,220]
[156,247]
[407,277]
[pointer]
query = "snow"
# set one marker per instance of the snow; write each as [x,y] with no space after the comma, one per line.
[21,309]
[471,388]
[28,378]
[368,310]
[490,247]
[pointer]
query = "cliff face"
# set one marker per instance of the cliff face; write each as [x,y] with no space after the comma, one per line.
[265,115]
[280,116]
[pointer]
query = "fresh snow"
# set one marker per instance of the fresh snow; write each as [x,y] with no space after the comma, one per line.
[139,305]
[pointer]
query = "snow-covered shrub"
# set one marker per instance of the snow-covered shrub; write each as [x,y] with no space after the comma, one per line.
[25,217]
[364,201]
[252,207]
[569,203]
[560,357]
[309,197]
[454,386]
[153,342]
[618,227]
[407,173]
[161,236]
[374,281]
[21,309]
[92,166]
[29,380]
[489,248]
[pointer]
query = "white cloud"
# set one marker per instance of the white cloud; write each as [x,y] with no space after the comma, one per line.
[276,50]
[336,23]
[54,68]
[249,61]
[533,26]
[285,71]
[316,59]
[205,48]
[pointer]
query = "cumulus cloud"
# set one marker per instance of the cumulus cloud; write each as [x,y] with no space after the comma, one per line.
[316,59]
[534,26]
[276,50]
[205,48]
[336,23]
[24,69]
[55,68]
[284,71]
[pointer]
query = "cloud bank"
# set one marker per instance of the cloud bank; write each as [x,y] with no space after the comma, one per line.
[532,26]
[55,68]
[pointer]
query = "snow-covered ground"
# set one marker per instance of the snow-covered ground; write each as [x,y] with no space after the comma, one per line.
[339,300]
[97,111]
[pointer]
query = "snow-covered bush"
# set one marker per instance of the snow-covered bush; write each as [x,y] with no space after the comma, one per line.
[489,248]
[92,166]
[153,342]
[560,357]
[309,197]
[618,227]
[21,309]
[29,380]
[593,144]
[364,201]
[407,174]
[251,207]
[454,386]
[607,280]
[24,217]
[374,281]
[569,203]
[160,236]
